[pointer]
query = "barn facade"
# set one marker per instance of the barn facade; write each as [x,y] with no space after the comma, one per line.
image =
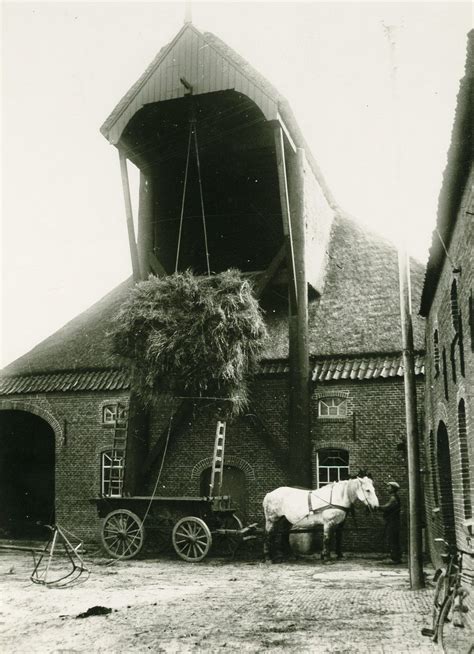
[448,304]
[227,180]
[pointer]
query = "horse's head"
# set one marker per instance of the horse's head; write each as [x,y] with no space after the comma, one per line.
[365,491]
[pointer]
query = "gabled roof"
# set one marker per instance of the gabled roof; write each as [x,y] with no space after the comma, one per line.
[210,65]
[206,63]
[358,313]
[454,179]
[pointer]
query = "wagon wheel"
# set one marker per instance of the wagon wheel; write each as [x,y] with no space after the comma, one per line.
[227,544]
[123,534]
[191,539]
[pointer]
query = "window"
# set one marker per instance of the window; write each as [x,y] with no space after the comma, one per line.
[114,414]
[453,358]
[332,465]
[461,346]
[445,375]
[112,473]
[332,407]
[436,352]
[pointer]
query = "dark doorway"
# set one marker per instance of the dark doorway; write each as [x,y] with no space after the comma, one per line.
[445,484]
[234,484]
[26,474]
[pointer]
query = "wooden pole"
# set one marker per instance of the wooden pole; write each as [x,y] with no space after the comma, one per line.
[302,375]
[145,226]
[299,440]
[129,214]
[415,543]
[286,216]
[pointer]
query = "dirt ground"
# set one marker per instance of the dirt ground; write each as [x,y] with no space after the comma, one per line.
[359,604]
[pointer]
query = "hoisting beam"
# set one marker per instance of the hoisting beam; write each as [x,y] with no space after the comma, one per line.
[285,212]
[129,214]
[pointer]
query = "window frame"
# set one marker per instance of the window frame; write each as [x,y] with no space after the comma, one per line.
[106,480]
[331,451]
[342,402]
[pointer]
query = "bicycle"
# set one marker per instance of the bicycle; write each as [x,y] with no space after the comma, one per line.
[448,621]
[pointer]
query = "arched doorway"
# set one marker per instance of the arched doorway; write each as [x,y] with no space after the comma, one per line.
[445,483]
[27,458]
[234,484]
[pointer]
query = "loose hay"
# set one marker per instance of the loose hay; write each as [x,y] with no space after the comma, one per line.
[191,336]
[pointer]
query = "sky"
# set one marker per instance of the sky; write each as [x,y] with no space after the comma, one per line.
[65,66]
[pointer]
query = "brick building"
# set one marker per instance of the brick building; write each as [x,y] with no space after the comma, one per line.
[447,304]
[329,397]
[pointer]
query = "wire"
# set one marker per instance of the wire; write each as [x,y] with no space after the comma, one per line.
[202,200]
[183,201]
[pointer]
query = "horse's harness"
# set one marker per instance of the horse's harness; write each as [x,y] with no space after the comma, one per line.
[329,505]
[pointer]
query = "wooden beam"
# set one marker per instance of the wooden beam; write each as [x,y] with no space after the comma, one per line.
[289,140]
[129,215]
[145,224]
[268,274]
[286,217]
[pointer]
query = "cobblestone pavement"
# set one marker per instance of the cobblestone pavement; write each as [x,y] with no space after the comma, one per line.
[355,605]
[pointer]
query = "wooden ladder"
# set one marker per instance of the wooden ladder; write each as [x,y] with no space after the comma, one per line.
[119,446]
[217,472]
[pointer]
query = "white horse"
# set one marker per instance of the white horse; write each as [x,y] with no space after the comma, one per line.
[327,506]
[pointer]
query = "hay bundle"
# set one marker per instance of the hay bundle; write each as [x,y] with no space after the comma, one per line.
[191,336]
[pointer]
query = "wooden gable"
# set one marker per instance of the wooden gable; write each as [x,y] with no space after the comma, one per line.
[202,63]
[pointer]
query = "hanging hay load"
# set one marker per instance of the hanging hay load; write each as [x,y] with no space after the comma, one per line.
[191,336]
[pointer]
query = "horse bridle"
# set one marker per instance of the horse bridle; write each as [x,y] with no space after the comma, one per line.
[364,500]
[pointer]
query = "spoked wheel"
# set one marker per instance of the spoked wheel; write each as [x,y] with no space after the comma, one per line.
[192,539]
[122,534]
[441,590]
[453,637]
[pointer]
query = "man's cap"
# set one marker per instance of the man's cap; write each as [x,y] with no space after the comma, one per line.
[393,484]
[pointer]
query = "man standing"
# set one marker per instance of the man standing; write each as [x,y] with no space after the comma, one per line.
[391,514]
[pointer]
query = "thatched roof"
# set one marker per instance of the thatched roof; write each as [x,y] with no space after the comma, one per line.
[459,163]
[358,312]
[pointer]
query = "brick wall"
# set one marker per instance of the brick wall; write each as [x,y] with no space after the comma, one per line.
[373,432]
[444,393]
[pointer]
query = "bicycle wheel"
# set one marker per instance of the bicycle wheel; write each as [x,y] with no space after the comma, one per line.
[453,638]
[440,593]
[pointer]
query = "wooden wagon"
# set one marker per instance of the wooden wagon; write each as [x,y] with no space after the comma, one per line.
[190,524]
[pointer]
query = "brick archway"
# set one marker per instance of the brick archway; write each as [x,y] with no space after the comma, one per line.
[230,460]
[37,410]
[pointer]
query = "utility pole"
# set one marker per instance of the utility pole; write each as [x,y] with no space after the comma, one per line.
[415,548]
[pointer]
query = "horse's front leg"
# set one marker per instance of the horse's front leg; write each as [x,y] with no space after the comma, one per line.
[267,541]
[326,553]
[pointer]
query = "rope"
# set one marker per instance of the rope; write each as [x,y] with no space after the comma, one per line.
[193,132]
[202,199]
[184,198]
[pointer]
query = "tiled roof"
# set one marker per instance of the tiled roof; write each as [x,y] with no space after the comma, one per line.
[363,368]
[114,380]
[98,380]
